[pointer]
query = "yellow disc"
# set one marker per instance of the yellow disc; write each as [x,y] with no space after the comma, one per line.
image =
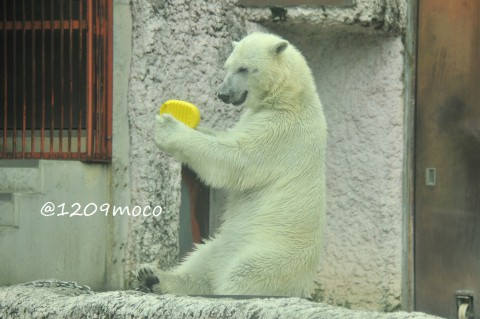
[183,111]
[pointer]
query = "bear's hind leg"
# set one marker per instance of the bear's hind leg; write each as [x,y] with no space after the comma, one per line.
[191,277]
[269,274]
[174,282]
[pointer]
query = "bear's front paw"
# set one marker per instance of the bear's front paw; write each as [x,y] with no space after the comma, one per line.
[166,128]
[146,279]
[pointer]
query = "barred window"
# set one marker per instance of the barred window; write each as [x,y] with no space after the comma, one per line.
[56,79]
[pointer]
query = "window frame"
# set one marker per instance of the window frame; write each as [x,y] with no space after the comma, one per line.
[89,142]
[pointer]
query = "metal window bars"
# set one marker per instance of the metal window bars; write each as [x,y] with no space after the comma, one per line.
[56,79]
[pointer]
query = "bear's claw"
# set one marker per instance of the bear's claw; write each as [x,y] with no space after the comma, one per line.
[146,279]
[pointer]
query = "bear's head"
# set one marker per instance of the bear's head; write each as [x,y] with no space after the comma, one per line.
[261,65]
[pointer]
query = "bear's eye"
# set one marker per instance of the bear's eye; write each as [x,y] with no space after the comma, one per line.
[242,70]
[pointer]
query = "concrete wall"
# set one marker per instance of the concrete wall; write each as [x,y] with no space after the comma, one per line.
[90,250]
[120,184]
[35,246]
[179,48]
[176,49]
[359,79]
[387,16]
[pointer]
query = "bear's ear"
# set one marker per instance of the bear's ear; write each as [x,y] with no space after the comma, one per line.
[234,44]
[280,47]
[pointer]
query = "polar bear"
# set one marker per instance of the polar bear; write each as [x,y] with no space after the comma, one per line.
[272,165]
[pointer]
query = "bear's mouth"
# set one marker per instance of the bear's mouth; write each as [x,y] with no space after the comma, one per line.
[241,100]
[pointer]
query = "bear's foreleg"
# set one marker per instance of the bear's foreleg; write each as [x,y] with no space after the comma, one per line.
[221,161]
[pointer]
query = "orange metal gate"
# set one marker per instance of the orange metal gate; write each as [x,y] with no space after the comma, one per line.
[56,79]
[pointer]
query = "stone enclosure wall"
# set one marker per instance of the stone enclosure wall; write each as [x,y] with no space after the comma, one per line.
[356,54]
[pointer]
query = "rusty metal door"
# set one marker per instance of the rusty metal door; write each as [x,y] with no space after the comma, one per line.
[447,159]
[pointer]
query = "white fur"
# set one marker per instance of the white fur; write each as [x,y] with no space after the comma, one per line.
[272,165]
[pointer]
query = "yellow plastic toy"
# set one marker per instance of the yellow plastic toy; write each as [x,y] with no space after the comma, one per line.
[183,111]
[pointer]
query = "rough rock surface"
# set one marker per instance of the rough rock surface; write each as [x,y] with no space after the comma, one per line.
[384,15]
[54,299]
[177,46]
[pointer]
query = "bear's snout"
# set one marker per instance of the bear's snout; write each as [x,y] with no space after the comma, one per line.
[224,97]
[228,98]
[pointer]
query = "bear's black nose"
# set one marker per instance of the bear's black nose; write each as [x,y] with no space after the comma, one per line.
[224,97]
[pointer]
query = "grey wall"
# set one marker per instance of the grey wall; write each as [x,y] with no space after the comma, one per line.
[120,177]
[359,77]
[179,48]
[360,80]
[90,250]
[35,246]
[175,49]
